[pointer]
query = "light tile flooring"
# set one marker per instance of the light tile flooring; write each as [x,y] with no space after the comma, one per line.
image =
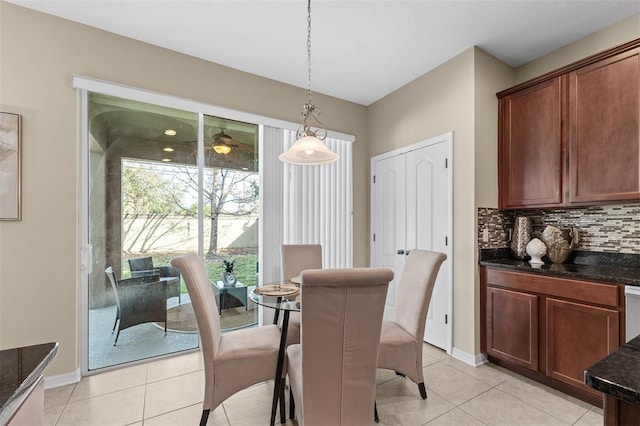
[169,392]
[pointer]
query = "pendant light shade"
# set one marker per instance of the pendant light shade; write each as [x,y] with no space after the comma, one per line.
[309,149]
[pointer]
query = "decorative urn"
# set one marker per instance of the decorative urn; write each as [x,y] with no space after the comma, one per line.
[560,243]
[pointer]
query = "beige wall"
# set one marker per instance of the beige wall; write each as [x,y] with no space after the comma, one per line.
[491,76]
[39,283]
[620,33]
[460,96]
[438,102]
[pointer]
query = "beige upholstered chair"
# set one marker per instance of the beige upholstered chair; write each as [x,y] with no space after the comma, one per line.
[332,372]
[232,361]
[402,338]
[295,259]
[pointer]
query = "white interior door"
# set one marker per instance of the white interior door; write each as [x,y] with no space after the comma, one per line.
[388,201]
[426,215]
[411,208]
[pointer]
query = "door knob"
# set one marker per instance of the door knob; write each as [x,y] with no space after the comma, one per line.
[400,251]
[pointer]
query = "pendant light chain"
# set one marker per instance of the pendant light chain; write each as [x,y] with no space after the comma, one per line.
[308,149]
[309,51]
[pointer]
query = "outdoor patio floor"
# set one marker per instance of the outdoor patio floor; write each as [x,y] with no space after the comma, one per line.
[135,343]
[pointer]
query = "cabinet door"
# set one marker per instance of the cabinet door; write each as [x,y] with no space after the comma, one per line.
[604,130]
[512,326]
[577,336]
[530,161]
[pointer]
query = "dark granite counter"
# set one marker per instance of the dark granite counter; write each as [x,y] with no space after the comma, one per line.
[20,370]
[618,374]
[593,266]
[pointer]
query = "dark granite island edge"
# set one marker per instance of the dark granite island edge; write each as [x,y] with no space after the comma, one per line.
[20,370]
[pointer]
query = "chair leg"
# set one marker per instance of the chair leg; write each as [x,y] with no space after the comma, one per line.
[423,391]
[283,416]
[117,335]
[292,405]
[204,418]
[117,318]
[375,412]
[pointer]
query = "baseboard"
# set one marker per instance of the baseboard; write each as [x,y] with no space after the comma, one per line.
[473,360]
[62,379]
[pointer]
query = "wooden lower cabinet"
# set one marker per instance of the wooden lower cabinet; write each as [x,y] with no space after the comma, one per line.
[550,329]
[578,335]
[512,326]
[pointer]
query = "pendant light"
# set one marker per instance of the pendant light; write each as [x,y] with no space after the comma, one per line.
[309,149]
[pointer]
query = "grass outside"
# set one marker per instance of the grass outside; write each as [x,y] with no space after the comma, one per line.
[245,265]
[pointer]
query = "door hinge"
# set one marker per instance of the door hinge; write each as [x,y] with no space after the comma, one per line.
[374,238]
[446,319]
[374,178]
[446,241]
[446,163]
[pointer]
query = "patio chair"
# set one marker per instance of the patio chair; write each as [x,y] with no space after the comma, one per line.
[142,266]
[139,300]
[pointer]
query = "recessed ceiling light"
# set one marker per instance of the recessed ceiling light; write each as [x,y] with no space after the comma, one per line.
[166,160]
[170,132]
[168,149]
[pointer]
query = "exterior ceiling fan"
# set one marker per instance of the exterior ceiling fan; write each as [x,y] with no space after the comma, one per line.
[222,143]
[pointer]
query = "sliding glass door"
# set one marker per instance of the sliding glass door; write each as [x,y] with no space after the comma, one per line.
[150,199]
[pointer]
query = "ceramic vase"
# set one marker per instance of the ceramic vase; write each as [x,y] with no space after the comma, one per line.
[229,279]
[560,243]
[520,237]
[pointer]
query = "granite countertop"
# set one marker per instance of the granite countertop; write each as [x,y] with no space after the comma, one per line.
[595,266]
[618,374]
[20,369]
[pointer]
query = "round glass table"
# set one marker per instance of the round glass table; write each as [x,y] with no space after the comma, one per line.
[286,303]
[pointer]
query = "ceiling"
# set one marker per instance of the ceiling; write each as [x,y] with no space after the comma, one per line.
[361,50]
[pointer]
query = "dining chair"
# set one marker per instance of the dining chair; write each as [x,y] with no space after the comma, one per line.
[233,360]
[142,266]
[332,372]
[138,300]
[403,337]
[295,259]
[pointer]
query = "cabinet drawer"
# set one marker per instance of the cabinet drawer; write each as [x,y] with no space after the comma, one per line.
[583,291]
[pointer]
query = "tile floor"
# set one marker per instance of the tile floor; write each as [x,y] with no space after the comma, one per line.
[169,392]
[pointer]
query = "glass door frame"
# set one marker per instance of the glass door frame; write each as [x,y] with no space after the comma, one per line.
[85,86]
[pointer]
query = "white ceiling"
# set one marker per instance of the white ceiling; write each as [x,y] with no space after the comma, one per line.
[361,50]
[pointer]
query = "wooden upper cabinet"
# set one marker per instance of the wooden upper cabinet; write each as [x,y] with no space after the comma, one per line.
[572,137]
[604,131]
[530,153]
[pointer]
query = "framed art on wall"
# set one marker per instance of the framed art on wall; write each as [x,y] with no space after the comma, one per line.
[10,167]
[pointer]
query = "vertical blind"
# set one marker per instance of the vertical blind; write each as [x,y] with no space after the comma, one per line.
[318,204]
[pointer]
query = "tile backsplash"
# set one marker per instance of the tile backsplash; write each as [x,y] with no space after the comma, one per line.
[613,229]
